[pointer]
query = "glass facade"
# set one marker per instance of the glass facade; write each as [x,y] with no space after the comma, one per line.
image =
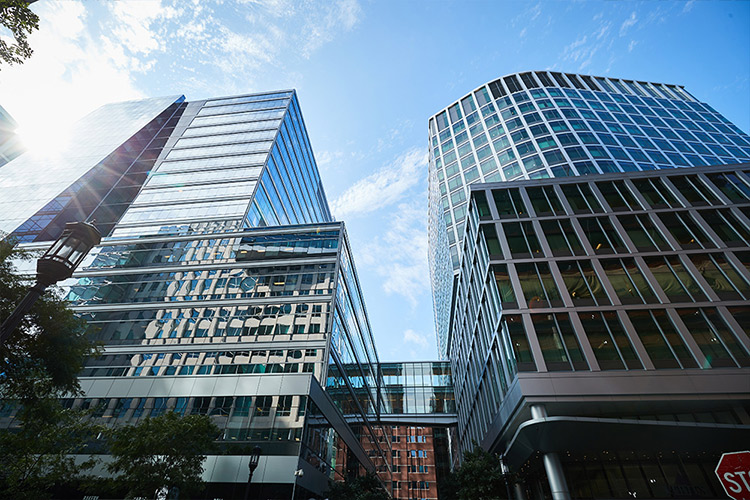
[618,298]
[31,197]
[221,287]
[538,125]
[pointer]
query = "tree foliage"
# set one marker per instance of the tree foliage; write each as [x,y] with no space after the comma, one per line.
[38,366]
[167,450]
[36,455]
[360,488]
[41,358]
[16,16]
[480,477]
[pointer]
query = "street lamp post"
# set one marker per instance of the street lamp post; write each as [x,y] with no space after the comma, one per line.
[297,473]
[506,477]
[252,465]
[57,264]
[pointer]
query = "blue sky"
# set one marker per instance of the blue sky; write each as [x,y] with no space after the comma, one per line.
[368,75]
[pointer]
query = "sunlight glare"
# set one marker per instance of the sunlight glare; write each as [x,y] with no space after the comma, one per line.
[44,136]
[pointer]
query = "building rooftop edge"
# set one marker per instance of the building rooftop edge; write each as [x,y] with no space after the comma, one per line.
[517,73]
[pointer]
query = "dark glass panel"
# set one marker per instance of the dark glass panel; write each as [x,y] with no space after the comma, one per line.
[706,338]
[651,337]
[520,343]
[601,341]
[721,276]
[550,341]
[504,286]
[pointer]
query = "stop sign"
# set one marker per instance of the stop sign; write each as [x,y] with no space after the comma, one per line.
[734,474]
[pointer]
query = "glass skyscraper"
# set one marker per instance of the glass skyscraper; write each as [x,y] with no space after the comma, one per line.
[222,285]
[536,125]
[592,298]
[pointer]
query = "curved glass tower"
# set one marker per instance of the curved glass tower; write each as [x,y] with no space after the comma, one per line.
[541,124]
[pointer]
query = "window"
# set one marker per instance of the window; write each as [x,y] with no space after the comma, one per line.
[544,200]
[721,276]
[628,282]
[723,222]
[263,406]
[618,196]
[509,203]
[672,276]
[514,332]
[693,189]
[659,336]
[504,286]
[732,186]
[538,285]
[602,235]
[685,230]
[656,193]
[714,337]
[581,199]
[561,238]
[558,342]
[609,341]
[642,232]
[522,240]
[582,283]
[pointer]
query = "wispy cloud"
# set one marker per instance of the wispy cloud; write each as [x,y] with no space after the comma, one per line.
[628,23]
[398,254]
[384,187]
[412,337]
[87,50]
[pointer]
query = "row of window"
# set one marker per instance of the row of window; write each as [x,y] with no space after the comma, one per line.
[409,453]
[565,236]
[598,282]
[238,411]
[559,337]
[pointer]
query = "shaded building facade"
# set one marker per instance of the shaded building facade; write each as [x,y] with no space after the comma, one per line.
[599,335]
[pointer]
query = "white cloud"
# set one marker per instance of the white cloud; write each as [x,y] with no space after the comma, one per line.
[399,253]
[632,45]
[71,72]
[628,23]
[410,336]
[384,187]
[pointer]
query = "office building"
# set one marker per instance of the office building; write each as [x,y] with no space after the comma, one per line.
[542,124]
[222,285]
[600,337]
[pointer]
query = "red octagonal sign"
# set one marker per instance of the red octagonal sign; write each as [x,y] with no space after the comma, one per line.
[734,474]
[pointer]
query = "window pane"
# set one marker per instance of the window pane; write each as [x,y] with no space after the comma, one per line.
[656,346]
[706,338]
[519,341]
[550,341]
[601,341]
[504,286]
[629,284]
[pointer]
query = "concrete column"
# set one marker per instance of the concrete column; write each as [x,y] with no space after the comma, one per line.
[552,466]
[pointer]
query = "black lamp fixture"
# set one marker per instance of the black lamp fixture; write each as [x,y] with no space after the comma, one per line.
[252,465]
[57,264]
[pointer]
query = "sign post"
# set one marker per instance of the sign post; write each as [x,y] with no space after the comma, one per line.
[733,472]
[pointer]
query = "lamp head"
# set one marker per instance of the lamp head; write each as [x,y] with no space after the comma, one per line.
[62,258]
[254,458]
